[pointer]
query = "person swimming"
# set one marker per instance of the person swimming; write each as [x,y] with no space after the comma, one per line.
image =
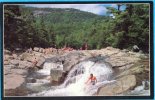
[92,80]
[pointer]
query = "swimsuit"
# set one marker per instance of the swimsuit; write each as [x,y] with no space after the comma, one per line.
[93,80]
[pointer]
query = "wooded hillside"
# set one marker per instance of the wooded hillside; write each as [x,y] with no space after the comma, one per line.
[27,27]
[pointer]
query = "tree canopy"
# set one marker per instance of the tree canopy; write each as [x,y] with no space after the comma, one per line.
[27,27]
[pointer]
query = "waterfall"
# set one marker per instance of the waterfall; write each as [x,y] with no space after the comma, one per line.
[74,84]
[48,66]
[42,76]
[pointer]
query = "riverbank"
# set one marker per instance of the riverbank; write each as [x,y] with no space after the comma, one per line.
[130,69]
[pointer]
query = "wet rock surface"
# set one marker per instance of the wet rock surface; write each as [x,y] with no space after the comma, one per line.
[20,91]
[130,68]
[119,86]
[57,77]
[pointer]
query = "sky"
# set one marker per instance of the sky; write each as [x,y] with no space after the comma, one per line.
[99,9]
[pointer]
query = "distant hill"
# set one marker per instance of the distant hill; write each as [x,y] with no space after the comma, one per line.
[72,27]
[60,14]
[27,27]
[57,15]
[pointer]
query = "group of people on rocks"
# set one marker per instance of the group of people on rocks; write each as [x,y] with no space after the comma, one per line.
[65,48]
[50,50]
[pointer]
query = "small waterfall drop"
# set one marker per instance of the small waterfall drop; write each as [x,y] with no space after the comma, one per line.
[74,84]
[48,66]
[42,77]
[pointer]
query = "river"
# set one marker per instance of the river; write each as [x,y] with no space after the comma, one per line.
[74,84]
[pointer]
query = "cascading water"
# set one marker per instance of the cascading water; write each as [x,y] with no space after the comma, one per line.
[74,84]
[48,66]
[42,77]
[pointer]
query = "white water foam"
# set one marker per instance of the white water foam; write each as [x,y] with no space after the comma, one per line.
[74,84]
[48,66]
[46,73]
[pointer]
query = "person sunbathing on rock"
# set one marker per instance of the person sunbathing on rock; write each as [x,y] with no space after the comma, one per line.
[92,80]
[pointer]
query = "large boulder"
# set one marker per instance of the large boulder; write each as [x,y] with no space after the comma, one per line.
[68,60]
[36,49]
[119,86]
[57,76]
[25,64]
[12,81]
[15,62]
[26,56]
[122,59]
[69,64]
[140,69]
[22,72]
[41,61]
[14,78]
[72,59]
[19,91]
[135,69]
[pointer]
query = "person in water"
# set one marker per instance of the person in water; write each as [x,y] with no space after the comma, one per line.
[92,79]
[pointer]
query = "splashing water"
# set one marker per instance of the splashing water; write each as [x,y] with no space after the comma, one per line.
[74,85]
[48,66]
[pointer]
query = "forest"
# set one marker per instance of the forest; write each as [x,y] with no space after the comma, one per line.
[29,27]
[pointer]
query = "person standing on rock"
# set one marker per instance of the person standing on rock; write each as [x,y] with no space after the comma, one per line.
[34,62]
[92,79]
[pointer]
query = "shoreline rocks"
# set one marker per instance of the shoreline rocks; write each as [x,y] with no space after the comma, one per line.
[119,86]
[128,66]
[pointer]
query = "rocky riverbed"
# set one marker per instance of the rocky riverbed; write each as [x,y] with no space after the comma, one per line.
[130,69]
